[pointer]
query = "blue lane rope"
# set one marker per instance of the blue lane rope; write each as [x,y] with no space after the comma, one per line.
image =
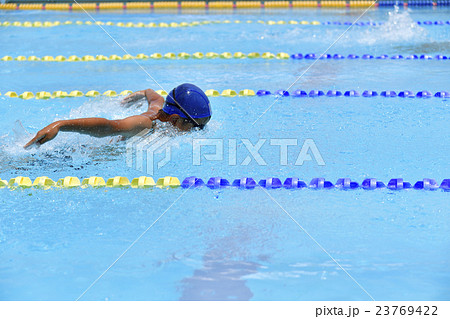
[316,183]
[419,3]
[373,24]
[314,56]
[354,93]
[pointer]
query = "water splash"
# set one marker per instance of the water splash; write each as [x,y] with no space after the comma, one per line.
[107,107]
[13,143]
[77,150]
[400,28]
[20,133]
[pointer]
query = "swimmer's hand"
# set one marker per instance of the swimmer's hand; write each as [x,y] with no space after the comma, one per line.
[48,133]
[133,98]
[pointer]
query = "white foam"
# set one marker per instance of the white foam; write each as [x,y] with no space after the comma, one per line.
[81,146]
[102,107]
[399,28]
[105,107]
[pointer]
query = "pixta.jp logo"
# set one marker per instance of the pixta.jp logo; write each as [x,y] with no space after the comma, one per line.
[254,152]
[142,148]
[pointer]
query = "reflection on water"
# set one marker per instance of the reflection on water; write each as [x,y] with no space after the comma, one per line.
[225,264]
[219,279]
[424,48]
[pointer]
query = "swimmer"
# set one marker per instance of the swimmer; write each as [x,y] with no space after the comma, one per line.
[186,107]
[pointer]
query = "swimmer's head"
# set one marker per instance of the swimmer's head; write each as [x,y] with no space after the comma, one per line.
[186,107]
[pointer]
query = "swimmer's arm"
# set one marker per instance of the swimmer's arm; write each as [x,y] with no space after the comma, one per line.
[100,127]
[97,127]
[154,99]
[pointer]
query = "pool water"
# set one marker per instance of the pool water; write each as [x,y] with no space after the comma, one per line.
[231,244]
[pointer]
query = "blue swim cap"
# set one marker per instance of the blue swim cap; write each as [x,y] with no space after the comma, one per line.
[190,99]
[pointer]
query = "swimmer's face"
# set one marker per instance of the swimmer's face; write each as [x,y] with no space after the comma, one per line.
[183,124]
[180,123]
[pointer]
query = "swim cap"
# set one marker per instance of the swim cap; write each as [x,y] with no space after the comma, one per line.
[190,99]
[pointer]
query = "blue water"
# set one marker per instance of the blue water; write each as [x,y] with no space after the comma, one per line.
[231,244]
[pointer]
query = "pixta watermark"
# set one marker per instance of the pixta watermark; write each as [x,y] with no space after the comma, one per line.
[143,151]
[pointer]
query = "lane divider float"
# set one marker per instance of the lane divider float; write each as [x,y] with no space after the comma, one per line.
[313,56]
[44,95]
[153,56]
[208,5]
[50,24]
[44,182]
[223,55]
[45,24]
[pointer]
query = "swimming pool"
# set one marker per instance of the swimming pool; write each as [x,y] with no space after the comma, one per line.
[231,243]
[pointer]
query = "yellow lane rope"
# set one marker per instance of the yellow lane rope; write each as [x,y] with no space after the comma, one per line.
[154,56]
[47,24]
[44,95]
[174,5]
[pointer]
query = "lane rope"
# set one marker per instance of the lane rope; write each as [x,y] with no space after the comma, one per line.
[207,5]
[44,95]
[223,56]
[50,24]
[152,56]
[44,182]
